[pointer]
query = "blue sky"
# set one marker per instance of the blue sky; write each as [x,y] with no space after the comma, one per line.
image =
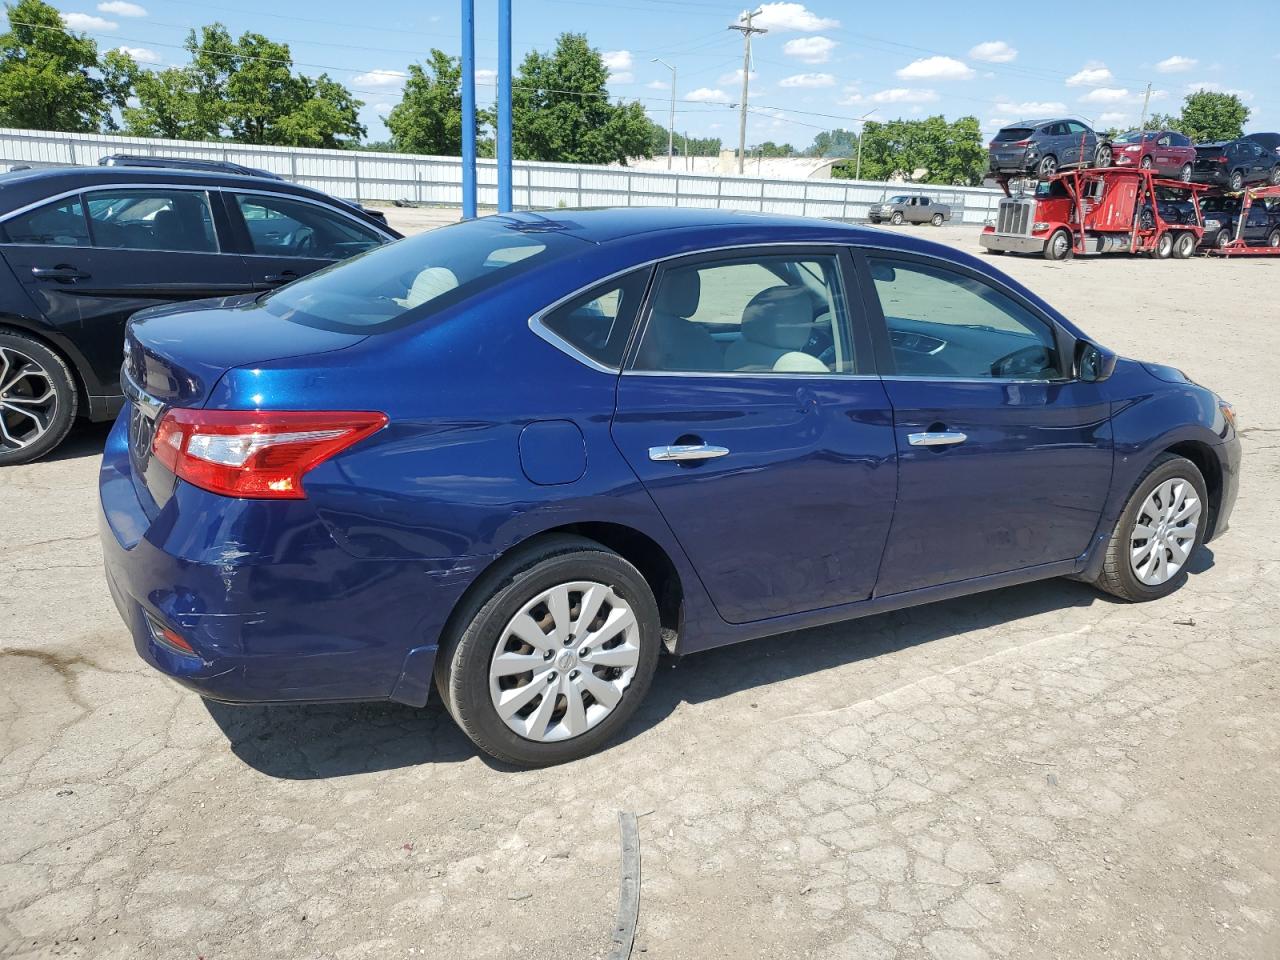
[821,64]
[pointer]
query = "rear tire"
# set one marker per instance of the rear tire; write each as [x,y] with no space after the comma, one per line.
[1119,576]
[467,675]
[38,399]
[1236,182]
[1275,175]
[1184,248]
[1185,173]
[1047,166]
[1273,238]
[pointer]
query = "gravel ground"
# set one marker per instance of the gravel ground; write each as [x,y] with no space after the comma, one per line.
[1033,772]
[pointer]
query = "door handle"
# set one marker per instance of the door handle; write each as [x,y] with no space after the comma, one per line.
[284,276]
[63,272]
[687,451]
[943,438]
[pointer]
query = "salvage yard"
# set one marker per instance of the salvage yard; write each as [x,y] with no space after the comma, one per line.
[1035,772]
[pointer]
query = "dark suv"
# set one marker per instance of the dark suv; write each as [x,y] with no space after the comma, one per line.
[1235,164]
[83,248]
[1043,147]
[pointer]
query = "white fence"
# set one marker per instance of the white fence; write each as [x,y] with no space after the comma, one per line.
[438,180]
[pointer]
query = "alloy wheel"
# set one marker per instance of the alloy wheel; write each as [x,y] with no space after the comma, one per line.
[564,661]
[1185,173]
[28,400]
[1165,531]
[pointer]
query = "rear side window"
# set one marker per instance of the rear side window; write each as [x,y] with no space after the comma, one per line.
[152,220]
[58,224]
[283,226]
[598,323]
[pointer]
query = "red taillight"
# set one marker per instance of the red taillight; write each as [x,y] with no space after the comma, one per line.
[255,453]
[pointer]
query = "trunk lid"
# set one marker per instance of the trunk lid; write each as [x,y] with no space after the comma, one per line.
[175,355]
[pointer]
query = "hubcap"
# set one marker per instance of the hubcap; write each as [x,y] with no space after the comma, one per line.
[28,401]
[1060,245]
[1165,532]
[564,661]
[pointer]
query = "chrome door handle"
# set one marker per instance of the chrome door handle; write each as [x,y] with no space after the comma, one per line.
[687,451]
[941,439]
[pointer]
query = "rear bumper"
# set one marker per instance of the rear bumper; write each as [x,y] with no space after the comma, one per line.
[274,609]
[1012,243]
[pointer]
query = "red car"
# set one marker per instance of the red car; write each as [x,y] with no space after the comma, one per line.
[1167,152]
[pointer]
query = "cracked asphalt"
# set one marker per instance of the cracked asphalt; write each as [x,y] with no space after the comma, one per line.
[1033,772]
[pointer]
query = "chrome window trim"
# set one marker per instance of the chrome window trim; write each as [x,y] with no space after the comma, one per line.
[536,325]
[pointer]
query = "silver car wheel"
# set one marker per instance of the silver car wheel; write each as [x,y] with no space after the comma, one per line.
[564,661]
[1165,532]
[28,400]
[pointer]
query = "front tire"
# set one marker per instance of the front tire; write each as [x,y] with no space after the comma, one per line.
[1058,246]
[1164,246]
[1102,156]
[1158,531]
[896,219]
[553,654]
[38,399]
[936,219]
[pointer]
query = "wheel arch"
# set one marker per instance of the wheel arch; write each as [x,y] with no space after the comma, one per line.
[1206,461]
[72,357]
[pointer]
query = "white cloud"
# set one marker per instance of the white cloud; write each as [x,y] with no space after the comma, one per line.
[659,85]
[808,80]
[936,68]
[780,17]
[1114,118]
[1030,109]
[1176,64]
[141,54]
[1107,95]
[121,8]
[383,107]
[625,77]
[810,49]
[734,76]
[1091,75]
[707,95]
[380,79]
[87,21]
[1218,88]
[617,61]
[892,95]
[994,51]
[486,77]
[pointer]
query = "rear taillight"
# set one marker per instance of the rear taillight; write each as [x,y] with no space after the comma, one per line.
[255,453]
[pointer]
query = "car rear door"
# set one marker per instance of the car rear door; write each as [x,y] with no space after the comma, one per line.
[284,236]
[751,412]
[1004,462]
[91,260]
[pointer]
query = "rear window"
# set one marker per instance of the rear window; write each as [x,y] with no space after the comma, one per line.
[1010,134]
[1209,151]
[405,281]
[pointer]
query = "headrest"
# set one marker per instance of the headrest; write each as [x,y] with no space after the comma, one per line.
[679,293]
[780,317]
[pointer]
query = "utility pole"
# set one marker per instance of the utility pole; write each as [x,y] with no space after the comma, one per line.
[671,121]
[857,171]
[746,29]
[1145,101]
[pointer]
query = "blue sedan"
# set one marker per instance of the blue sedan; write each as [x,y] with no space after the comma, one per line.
[516,458]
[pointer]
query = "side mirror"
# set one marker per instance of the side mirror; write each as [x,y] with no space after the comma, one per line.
[1093,363]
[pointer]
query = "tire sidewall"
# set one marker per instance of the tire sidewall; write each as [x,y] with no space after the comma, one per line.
[1169,469]
[467,695]
[64,386]
[896,219]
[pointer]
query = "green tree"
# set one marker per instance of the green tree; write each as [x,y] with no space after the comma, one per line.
[1164,121]
[834,143]
[771,149]
[428,118]
[948,153]
[562,112]
[51,78]
[1208,115]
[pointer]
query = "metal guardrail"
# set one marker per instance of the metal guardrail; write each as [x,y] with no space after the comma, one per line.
[369,176]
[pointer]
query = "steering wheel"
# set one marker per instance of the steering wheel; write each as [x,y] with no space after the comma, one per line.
[1028,363]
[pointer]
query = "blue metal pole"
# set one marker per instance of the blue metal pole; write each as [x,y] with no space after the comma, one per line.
[504,106]
[468,109]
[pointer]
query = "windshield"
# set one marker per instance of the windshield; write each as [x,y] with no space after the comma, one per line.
[897,199]
[1219,205]
[1135,136]
[397,284]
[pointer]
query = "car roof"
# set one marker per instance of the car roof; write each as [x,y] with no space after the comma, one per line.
[22,187]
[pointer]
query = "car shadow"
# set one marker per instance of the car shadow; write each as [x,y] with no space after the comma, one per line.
[86,439]
[307,742]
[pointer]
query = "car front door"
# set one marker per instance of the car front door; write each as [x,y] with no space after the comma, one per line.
[92,260]
[751,413]
[1004,462]
[285,237]
[920,212]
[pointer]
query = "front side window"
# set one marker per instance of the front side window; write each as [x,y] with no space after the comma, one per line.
[754,314]
[287,227]
[152,220]
[948,325]
[598,322]
[59,224]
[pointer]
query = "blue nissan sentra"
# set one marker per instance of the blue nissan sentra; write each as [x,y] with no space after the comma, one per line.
[518,457]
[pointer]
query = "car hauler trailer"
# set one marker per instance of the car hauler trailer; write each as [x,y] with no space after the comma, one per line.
[1239,247]
[1096,211]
